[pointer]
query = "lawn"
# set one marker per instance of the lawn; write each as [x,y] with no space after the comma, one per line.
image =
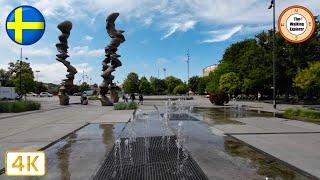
[307,115]
[125,106]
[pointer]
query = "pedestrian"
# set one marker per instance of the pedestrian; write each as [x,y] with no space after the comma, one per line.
[124,97]
[127,96]
[141,99]
[133,97]
[259,96]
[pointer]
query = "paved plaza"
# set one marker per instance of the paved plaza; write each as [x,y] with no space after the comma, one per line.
[294,143]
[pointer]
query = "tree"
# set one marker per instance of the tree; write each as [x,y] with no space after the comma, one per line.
[171,83]
[27,85]
[145,86]
[229,83]
[27,78]
[308,80]
[131,83]
[5,78]
[203,81]
[84,87]
[194,83]
[40,87]
[180,89]
[158,85]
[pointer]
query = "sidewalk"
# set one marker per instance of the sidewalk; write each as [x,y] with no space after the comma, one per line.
[36,130]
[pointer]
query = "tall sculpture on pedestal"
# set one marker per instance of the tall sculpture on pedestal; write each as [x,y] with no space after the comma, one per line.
[67,85]
[111,62]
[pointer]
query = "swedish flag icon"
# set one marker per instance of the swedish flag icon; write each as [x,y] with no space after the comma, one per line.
[25,25]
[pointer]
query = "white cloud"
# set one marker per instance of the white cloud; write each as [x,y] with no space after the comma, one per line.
[222,35]
[88,38]
[162,61]
[56,72]
[182,27]
[85,51]
[148,21]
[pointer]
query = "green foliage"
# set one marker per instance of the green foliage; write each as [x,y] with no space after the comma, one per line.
[203,81]
[93,98]
[27,85]
[40,87]
[303,114]
[194,83]
[5,78]
[145,86]
[308,78]
[125,106]
[131,83]
[180,89]
[84,87]
[171,83]
[18,106]
[158,85]
[229,83]
[27,79]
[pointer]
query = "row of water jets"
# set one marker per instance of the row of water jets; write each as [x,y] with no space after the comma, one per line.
[171,108]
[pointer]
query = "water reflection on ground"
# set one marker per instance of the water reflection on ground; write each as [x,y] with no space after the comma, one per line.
[78,156]
[225,115]
[265,165]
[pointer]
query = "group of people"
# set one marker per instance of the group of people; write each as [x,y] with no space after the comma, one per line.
[125,98]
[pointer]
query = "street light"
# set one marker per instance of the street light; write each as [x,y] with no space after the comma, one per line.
[273,5]
[37,71]
[188,62]
[165,72]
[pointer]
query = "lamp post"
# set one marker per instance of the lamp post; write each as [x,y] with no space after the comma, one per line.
[273,6]
[188,62]
[165,72]
[37,71]
[20,75]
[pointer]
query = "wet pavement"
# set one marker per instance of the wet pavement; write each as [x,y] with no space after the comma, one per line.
[81,154]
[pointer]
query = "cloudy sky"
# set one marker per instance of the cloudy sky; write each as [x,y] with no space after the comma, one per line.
[158,33]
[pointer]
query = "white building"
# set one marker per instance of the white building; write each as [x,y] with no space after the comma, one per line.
[209,69]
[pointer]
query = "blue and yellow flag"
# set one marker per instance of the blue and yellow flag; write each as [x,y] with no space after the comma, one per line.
[25,25]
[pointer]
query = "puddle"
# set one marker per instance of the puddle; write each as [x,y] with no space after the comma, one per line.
[77,156]
[264,165]
[220,116]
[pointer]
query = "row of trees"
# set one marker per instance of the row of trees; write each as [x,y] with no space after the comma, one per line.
[11,78]
[169,85]
[246,68]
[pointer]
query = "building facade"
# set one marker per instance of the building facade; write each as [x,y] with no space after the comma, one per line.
[209,69]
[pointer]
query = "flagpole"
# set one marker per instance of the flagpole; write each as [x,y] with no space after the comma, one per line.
[274,55]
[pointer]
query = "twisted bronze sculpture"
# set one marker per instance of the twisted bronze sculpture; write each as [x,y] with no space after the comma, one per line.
[111,62]
[67,85]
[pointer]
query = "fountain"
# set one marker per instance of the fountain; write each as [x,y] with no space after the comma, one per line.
[62,47]
[111,62]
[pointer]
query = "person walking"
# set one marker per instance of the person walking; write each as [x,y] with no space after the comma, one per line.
[133,97]
[140,99]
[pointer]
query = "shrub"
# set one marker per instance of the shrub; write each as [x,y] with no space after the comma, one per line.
[180,89]
[93,98]
[125,106]
[18,106]
[219,98]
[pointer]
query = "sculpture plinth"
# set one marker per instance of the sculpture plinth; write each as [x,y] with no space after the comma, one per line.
[111,62]
[67,85]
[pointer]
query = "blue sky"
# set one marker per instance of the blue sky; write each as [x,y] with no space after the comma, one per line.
[158,34]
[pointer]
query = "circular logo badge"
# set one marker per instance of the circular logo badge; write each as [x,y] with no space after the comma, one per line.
[296,24]
[25,25]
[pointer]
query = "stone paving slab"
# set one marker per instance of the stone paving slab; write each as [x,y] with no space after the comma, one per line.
[299,150]
[268,125]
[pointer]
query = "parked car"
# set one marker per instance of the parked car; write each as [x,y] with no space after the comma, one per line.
[31,94]
[45,94]
[77,94]
[88,93]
